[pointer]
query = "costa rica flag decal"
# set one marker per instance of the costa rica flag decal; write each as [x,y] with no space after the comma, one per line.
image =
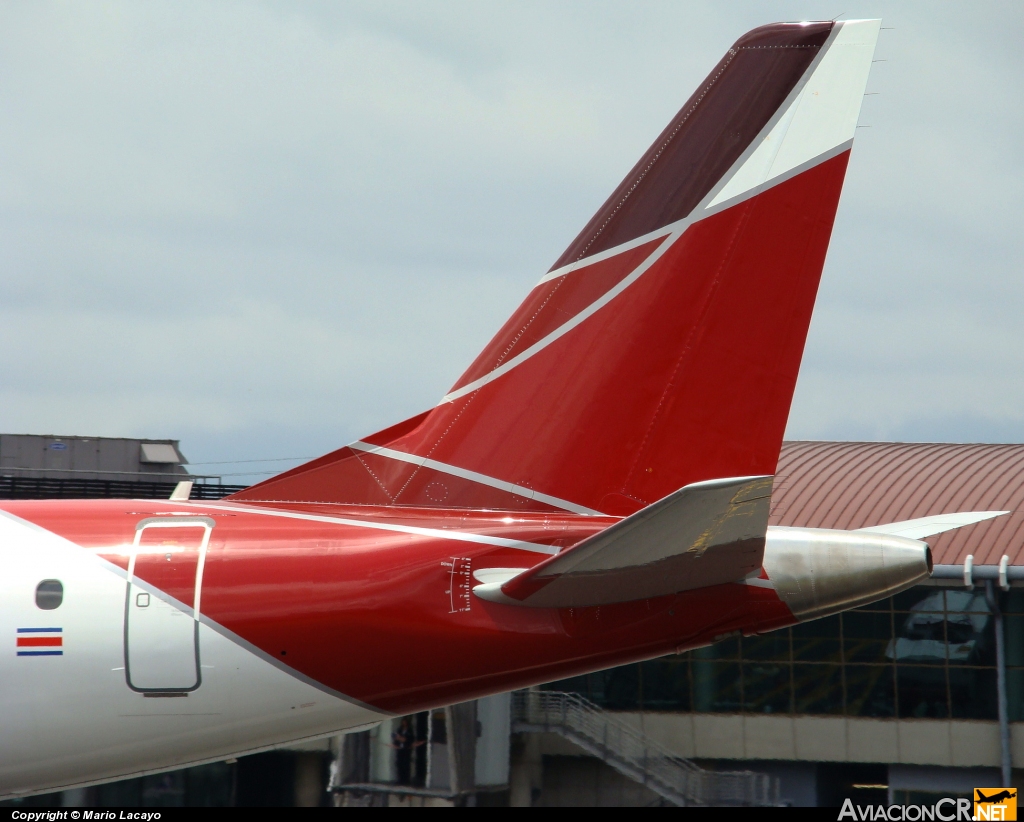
[40,642]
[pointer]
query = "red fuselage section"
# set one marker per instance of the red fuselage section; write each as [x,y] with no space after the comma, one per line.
[376,604]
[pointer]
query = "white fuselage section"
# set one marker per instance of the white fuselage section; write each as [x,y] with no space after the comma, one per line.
[71,719]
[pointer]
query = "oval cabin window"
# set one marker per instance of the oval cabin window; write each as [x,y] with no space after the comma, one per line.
[49,594]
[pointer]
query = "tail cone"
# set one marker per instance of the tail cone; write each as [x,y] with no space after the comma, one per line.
[817,572]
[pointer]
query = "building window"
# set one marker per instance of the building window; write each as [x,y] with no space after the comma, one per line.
[926,653]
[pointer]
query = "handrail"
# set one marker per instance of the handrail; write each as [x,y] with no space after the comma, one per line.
[636,756]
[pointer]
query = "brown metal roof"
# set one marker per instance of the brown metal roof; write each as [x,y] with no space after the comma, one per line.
[856,484]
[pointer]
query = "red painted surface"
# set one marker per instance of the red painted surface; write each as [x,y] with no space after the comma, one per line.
[169,558]
[40,641]
[687,375]
[368,612]
[553,303]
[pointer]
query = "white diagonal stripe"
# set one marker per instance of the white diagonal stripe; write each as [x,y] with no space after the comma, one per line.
[483,479]
[569,325]
[615,251]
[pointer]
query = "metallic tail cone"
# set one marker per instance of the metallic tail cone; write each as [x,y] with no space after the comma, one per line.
[818,572]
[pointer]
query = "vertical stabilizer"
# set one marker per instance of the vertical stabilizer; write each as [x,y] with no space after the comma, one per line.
[663,346]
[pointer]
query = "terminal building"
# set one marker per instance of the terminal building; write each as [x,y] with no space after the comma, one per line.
[918,696]
[896,700]
[34,466]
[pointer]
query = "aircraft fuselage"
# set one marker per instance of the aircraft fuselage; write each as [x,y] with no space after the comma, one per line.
[310,620]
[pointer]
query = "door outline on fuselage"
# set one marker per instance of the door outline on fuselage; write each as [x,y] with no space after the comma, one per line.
[207,524]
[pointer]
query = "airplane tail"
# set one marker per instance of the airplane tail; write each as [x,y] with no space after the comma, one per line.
[662,348]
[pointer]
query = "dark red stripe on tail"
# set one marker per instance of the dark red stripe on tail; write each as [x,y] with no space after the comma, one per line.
[705,138]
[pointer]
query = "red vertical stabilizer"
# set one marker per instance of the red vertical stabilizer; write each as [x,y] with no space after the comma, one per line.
[663,347]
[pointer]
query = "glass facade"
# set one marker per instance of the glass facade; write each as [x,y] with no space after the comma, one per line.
[926,653]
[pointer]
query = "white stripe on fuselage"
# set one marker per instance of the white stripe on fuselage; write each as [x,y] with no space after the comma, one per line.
[436,533]
[483,479]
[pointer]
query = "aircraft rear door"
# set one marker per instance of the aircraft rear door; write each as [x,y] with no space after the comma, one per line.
[162,602]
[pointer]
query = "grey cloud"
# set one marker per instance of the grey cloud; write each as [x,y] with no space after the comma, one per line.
[270,228]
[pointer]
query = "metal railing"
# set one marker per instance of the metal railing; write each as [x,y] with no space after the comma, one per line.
[632,754]
[52,488]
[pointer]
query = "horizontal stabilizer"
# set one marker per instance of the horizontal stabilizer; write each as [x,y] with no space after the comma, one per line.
[930,526]
[704,534]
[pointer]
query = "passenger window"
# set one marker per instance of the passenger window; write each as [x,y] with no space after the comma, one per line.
[142,600]
[49,594]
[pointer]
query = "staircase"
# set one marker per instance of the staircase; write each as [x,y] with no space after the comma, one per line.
[632,754]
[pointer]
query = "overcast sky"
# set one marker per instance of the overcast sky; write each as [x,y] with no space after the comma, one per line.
[268,229]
